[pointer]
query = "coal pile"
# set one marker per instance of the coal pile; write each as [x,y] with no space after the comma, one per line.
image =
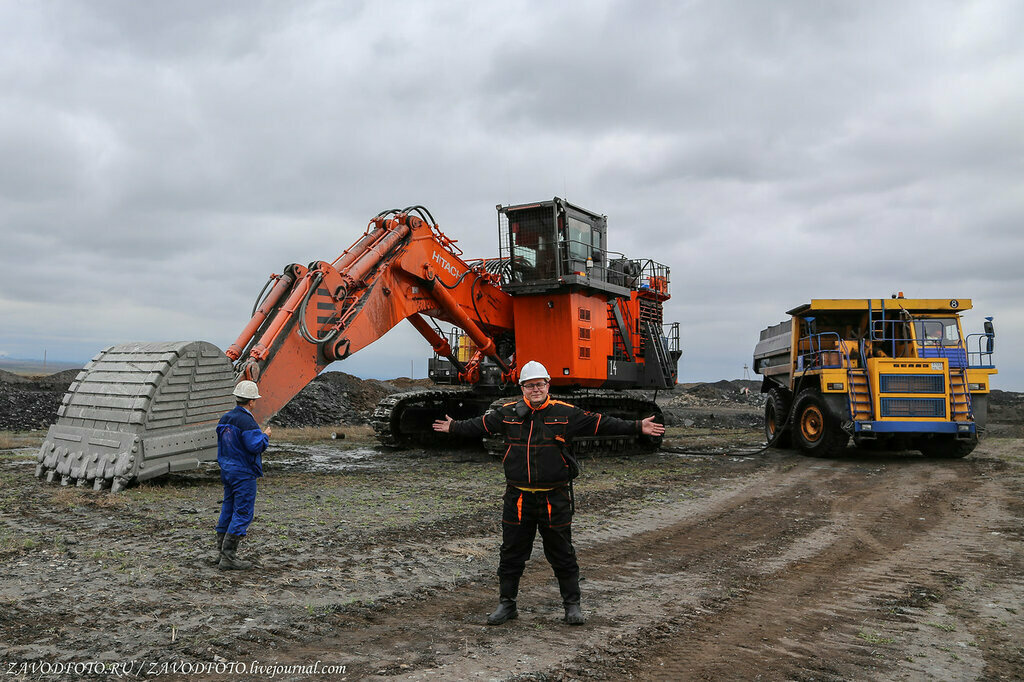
[739,392]
[339,398]
[1005,414]
[723,404]
[28,403]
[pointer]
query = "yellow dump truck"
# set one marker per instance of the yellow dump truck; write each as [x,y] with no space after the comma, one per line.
[893,373]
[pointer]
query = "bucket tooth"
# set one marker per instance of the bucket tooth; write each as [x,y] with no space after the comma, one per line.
[50,475]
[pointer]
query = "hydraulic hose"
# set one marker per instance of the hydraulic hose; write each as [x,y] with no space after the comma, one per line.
[303,329]
[260,297]
[787,424]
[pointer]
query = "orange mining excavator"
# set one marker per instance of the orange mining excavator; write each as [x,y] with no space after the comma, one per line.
[555,294]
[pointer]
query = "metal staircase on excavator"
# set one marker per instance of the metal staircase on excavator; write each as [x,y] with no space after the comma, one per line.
[655,343]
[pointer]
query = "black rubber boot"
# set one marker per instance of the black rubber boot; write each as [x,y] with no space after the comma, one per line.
[570,589]
[508,589]
[229,560]
[220,547]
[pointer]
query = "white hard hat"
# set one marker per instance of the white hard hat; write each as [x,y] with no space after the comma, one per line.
[533,370]
[247,390]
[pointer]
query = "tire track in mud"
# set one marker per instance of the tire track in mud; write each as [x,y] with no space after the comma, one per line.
[780,572]
[812,613]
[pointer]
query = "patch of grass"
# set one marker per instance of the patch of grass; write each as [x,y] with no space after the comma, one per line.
[70,497]
[875,638]
[20,439]
[942,626]
[11,543]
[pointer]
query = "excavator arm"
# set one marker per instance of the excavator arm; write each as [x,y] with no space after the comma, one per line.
[402,268]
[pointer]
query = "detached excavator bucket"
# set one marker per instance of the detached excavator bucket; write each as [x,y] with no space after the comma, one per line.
[136,411]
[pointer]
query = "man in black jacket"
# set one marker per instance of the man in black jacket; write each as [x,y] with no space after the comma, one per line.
[538,431]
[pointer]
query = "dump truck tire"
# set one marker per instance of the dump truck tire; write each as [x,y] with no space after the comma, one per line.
[776,419]
[816,430]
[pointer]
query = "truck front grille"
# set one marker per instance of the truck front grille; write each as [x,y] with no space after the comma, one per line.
[912,383]
[914,407]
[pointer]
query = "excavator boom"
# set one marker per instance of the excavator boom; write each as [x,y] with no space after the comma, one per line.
[402,268]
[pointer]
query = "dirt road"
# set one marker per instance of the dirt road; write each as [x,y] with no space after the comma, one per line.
[882,566]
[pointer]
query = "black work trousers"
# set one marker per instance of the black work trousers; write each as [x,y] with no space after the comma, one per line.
[523,514]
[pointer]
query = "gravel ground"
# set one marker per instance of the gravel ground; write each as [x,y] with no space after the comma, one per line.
[379,564]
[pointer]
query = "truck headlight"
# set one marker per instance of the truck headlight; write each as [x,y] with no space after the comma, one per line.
[963,428]
[865,427]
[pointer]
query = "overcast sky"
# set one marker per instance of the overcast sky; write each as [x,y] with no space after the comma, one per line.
[159,160]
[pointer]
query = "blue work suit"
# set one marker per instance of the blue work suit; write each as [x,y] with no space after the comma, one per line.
[240,444]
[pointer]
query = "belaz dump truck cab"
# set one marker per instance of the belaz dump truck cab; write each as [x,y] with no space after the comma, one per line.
[892,373]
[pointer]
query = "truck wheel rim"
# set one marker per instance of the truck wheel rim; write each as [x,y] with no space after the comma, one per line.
[812,423]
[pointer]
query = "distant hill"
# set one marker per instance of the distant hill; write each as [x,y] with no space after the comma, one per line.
[36,368]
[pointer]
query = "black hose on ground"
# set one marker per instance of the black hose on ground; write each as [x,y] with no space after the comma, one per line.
[787,424]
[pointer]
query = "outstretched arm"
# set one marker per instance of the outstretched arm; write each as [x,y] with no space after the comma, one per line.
[443,425]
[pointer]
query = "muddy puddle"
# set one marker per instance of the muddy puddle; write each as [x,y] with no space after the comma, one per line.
[324,458]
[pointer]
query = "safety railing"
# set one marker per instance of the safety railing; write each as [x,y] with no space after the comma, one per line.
[673,337]
[821,351]
[979,351]
[654,278]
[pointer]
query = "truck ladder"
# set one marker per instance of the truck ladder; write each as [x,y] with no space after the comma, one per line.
[860,395]
[959,396]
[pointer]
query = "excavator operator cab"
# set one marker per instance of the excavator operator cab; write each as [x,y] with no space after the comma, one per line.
[551,243]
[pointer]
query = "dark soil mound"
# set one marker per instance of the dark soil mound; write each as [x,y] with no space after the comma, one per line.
[339,398]
[28,403]
[997,397]
[12,378]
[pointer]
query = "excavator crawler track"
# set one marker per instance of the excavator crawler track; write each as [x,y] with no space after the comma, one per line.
[136,411]
[621,404]
[404,419]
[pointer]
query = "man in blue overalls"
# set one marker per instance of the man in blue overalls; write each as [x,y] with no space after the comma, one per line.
[240,444]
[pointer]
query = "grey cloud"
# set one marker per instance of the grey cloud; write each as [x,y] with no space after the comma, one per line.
[163,160]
